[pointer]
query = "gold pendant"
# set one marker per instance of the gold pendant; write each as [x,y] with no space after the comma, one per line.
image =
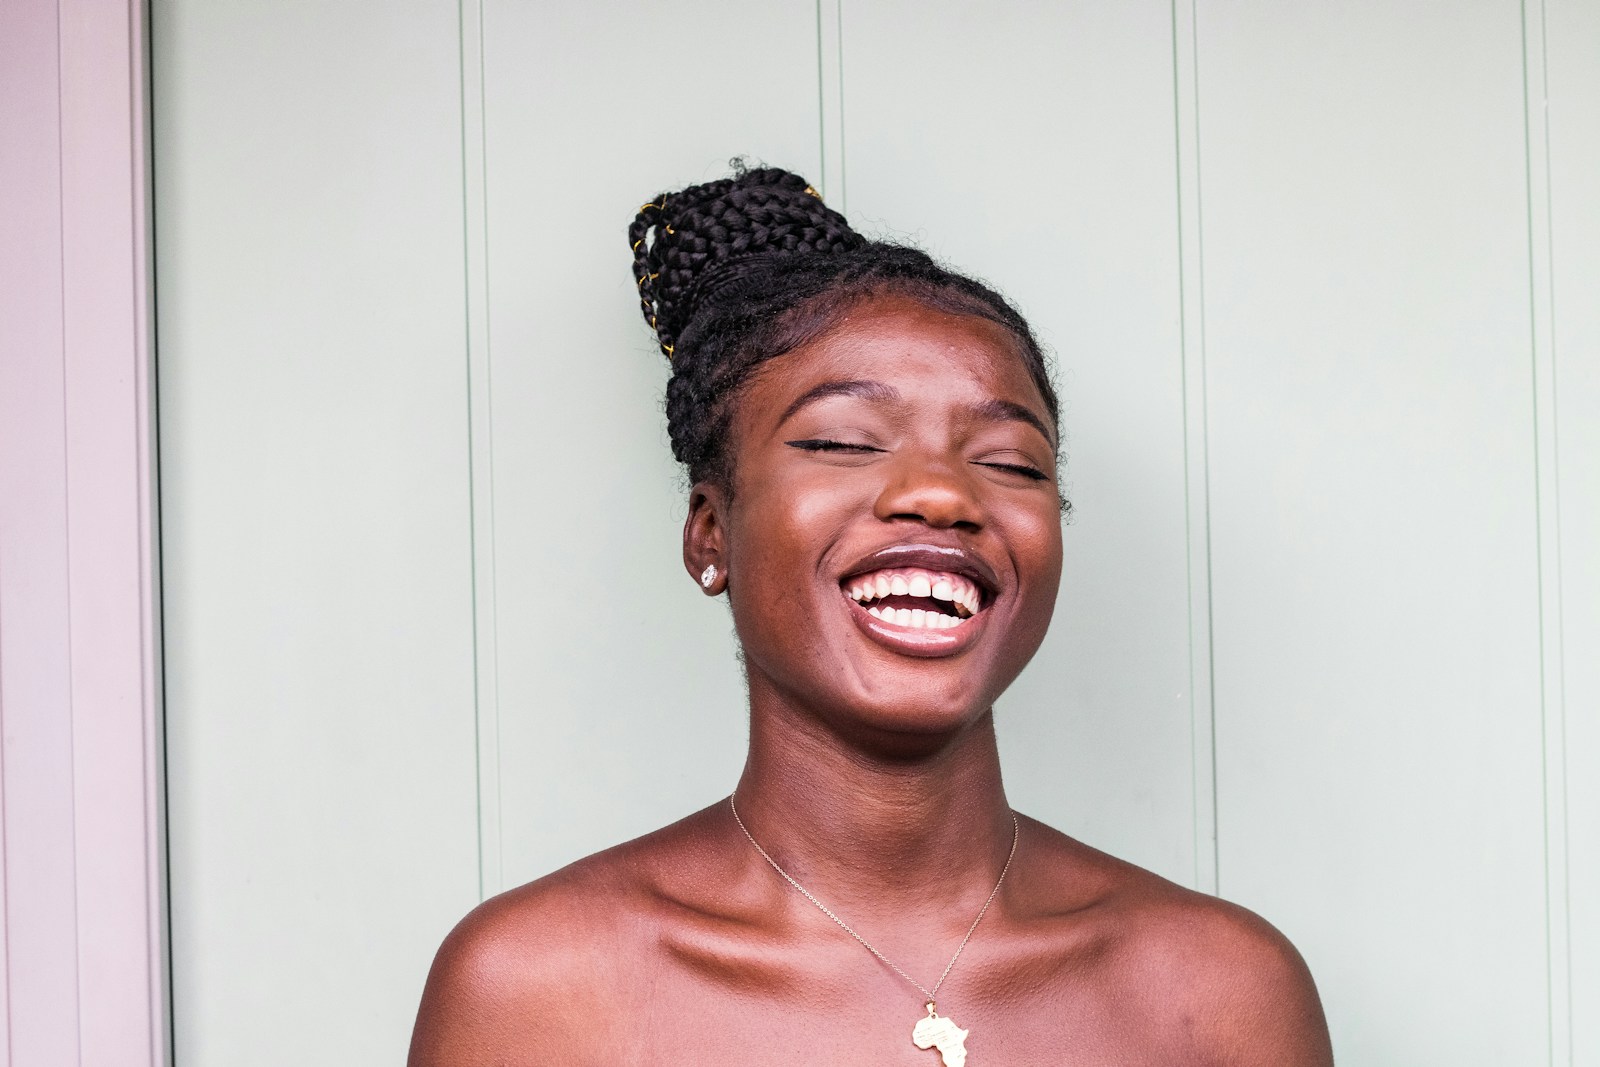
[936,1031]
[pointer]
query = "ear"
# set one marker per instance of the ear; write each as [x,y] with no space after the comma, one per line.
[703,543]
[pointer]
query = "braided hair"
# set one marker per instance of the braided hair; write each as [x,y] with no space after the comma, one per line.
[735,272]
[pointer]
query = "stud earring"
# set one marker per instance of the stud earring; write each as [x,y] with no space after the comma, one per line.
[708,575]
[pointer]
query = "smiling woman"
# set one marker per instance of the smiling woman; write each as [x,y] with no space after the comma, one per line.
[872,444]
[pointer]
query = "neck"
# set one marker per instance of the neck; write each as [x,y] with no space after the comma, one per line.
[872,832]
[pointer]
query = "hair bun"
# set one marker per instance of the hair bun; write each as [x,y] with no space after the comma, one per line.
[689,244]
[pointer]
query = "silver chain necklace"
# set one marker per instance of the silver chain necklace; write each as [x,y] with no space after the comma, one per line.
[934,1030]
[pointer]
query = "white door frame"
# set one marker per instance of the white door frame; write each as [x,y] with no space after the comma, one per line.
[83,894]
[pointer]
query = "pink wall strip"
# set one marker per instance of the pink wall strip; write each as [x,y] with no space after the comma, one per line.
[80,757]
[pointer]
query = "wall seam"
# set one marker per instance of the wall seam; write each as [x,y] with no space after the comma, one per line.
[830,94]
[71,790]
[822,102]
[142,211]
[488,447]
[466,286]
[1197,476]
[480,448]
[844,181]
[1547,522]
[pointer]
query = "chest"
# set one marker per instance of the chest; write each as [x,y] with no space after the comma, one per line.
[873,1022]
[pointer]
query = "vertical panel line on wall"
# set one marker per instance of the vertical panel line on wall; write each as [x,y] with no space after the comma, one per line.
[1547,520]
[1197,502]
[475,229]
[154,679]
[162,741]
[830,99]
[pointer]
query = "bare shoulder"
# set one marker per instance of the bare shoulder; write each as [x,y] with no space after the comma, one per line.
[528,975]
[1221,980]
[512,971]
[1247,994]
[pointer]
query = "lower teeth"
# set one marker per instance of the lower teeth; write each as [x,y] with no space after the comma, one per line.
[916,618]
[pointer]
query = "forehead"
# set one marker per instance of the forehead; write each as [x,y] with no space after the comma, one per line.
[916,348]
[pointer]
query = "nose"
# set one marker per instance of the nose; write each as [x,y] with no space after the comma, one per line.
[930,490]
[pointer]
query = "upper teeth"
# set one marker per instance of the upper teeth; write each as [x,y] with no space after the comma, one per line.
[951,588]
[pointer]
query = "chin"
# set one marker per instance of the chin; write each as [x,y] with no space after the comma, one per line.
[874,693]
[930,715]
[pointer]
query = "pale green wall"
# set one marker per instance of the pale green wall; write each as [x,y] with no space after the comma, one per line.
[1323,282]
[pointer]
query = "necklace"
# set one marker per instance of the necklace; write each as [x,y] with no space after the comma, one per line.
[934,1030]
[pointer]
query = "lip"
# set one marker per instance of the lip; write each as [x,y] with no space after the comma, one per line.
[909,641]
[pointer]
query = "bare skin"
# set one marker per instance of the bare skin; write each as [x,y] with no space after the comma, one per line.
[873,778]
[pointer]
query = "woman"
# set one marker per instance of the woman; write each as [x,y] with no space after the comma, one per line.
[872,442]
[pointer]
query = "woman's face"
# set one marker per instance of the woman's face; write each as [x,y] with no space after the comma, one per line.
[893,543]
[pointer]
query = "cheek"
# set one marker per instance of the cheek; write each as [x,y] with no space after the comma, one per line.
[791,516]
[1037,545]
[775,542]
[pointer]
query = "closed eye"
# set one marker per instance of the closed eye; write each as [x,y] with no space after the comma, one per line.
[1031,473]
[821,444]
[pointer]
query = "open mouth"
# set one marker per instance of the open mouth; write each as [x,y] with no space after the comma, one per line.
[915,597]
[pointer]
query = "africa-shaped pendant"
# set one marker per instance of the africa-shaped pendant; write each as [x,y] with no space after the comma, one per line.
[937,1031]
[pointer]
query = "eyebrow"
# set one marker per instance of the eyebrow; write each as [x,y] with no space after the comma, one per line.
[1007,411]
[856,387]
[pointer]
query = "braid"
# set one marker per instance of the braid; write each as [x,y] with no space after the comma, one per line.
[735,272]
[704,230]
[638,235]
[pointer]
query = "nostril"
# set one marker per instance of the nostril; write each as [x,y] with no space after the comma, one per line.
[935,520]
[933,492]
